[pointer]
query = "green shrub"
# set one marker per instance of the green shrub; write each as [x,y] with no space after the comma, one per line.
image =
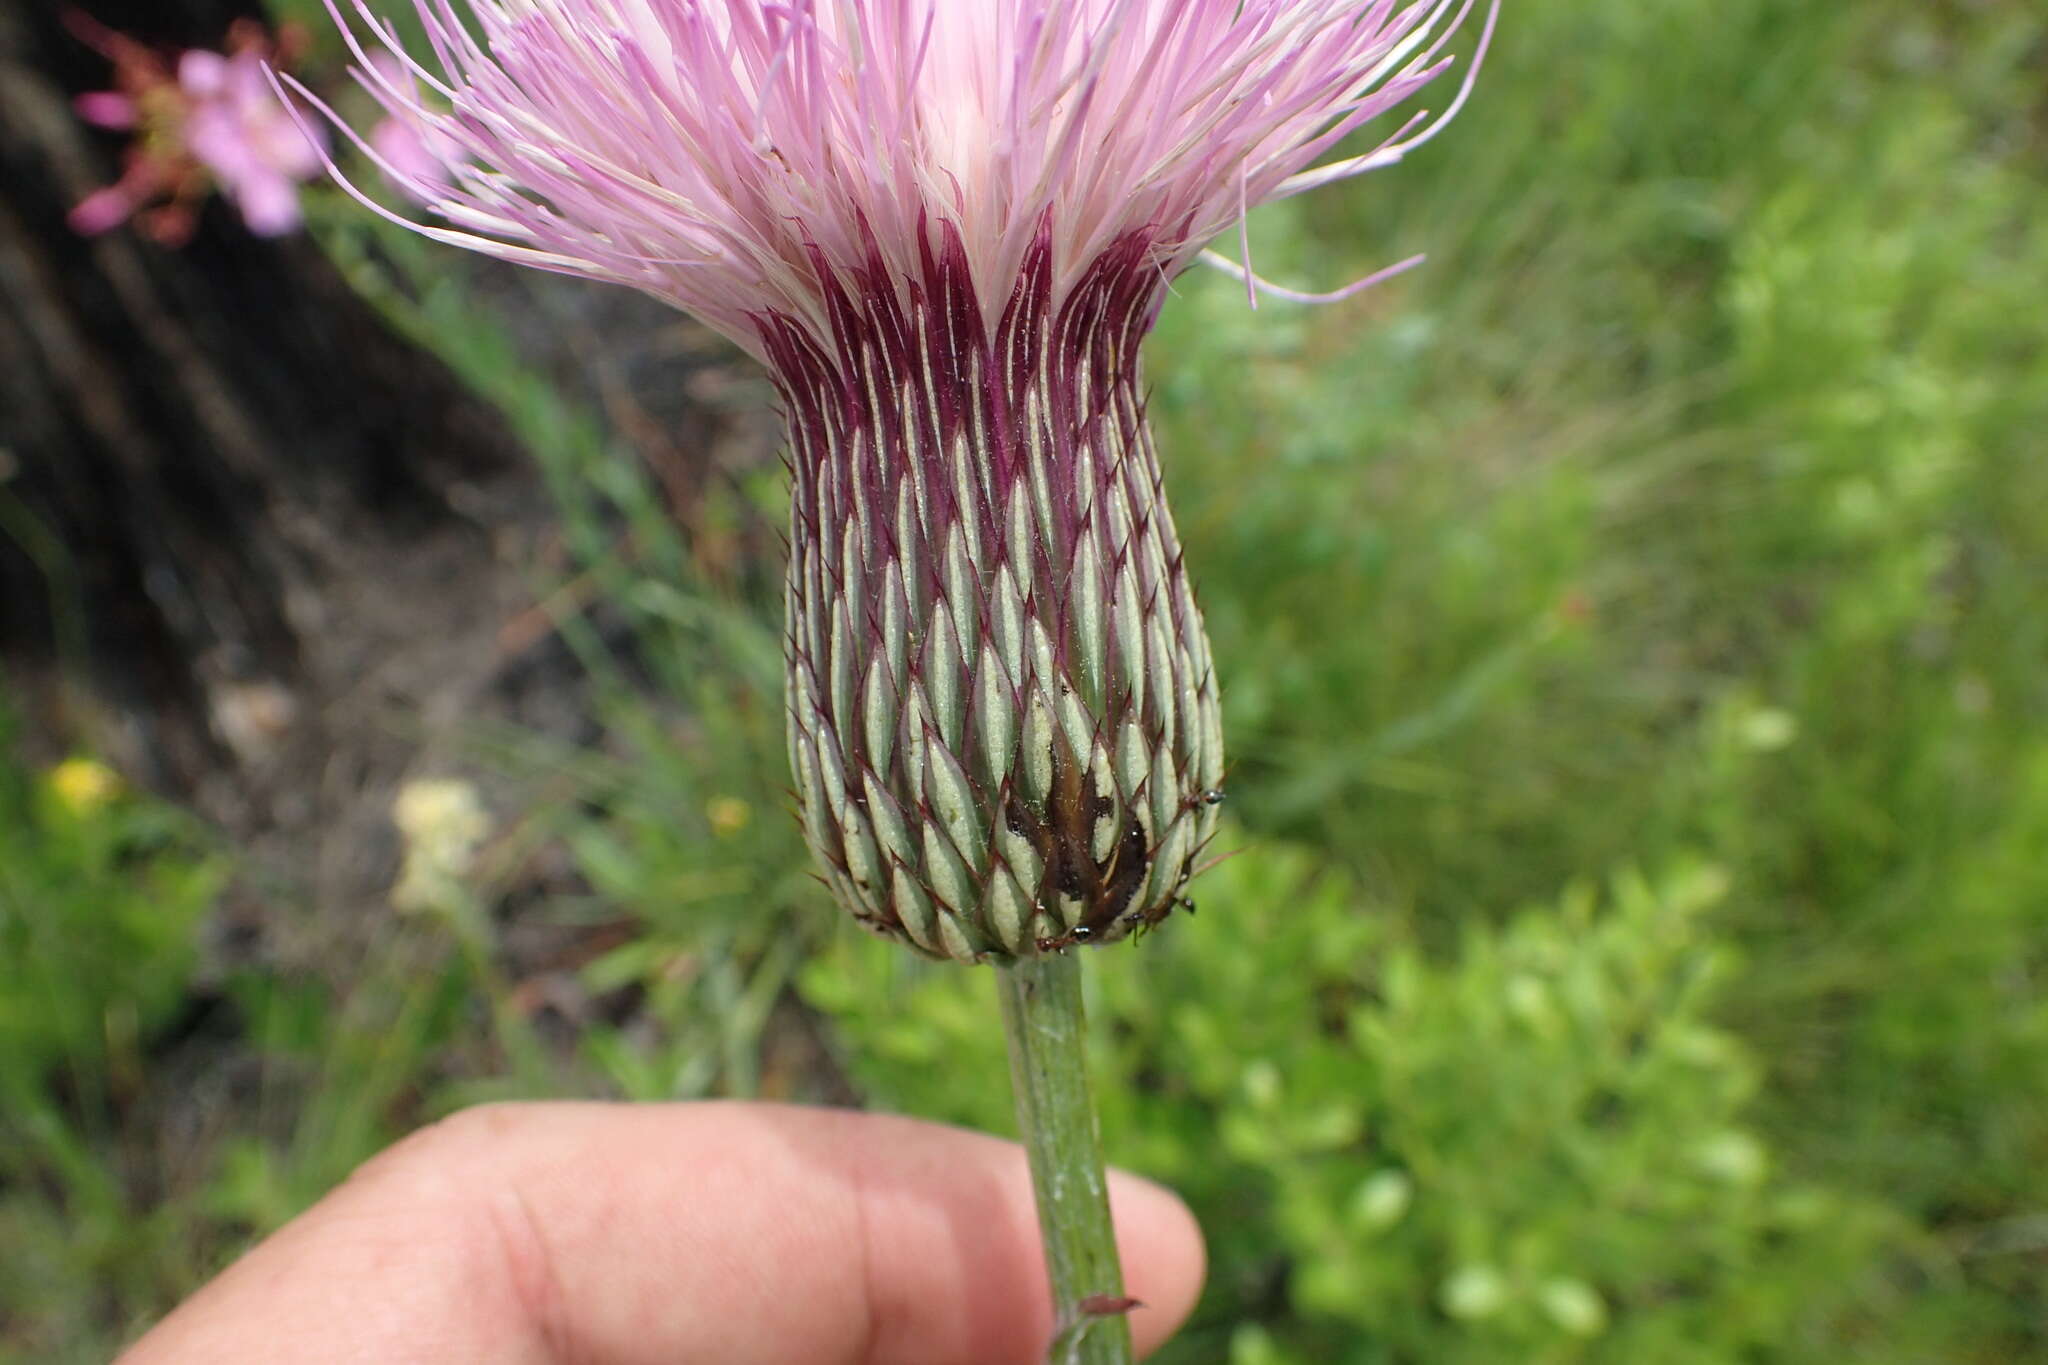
[101,894]
[1540,1150]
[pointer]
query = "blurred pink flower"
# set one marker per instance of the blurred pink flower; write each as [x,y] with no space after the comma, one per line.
[417,155]
[107,109]
[239,128]
[212,121]
[106,209]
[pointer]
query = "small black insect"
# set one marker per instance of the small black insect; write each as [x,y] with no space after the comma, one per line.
[1080,933]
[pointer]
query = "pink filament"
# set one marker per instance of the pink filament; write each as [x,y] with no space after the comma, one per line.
[718,155]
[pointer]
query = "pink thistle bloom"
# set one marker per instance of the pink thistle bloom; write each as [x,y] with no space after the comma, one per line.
[945,226]
[418,156]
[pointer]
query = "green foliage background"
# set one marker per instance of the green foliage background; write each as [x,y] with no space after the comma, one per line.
[1638,681]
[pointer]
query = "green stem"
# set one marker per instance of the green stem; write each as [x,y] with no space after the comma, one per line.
[1043,1019]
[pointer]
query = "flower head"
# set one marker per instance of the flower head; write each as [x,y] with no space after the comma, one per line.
[442,823]
[723,154]
[420,158]
[945,225]
[238,128]
[203,121]
[84,786]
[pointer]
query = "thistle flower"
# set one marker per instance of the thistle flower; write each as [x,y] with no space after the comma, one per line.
[945,226]
[420,155]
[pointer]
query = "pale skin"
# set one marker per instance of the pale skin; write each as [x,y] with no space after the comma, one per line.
[743,1234]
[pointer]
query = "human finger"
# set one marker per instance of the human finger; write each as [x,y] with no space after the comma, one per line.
[617,1234]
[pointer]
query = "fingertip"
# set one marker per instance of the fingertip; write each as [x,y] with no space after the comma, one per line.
[1164,1258]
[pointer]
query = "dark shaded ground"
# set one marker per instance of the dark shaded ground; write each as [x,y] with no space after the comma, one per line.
[265,554]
